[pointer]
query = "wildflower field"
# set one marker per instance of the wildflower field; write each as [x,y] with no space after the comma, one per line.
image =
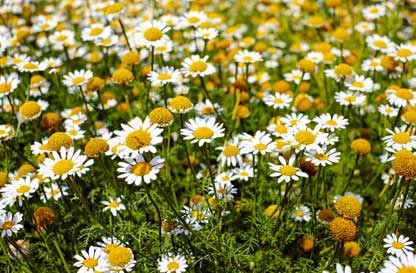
[207,136]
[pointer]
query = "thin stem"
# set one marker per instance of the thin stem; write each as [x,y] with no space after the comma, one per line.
[157,210]
[124,33]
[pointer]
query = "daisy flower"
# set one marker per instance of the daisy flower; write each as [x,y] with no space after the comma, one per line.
[388,111]
[350,99]
[402,263]
[301,214]
[135,170]
[77,78]
[138,137]
[31,66]
[194,18]
[374,12]
[295,120]
[323,157]
[401,97]
[164,76]
[372,65]
[285,171]
[224,190]
[172,264]
[195,66]
[403,52]
[207,109]
[244,173]
[9,223]
[304,138]
[66,163]
[296,76]
[53,192]
[202,131]
[206,33]
[20,189]
[230,153]
[8,83]
[260,143]
[114,205]
[400,138]
[95,32]
[151,33]
[359,83]
[247,57]
[278,100]
[92,261]
[398,245]
[408,203]
[332,123]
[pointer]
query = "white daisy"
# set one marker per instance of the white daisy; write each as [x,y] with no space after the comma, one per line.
[163,76]
[195,66]
[114,205]
[403,263]
[400,138]
[247,57]
[302,214]
[398,245]
[151,33]
[332,123]
[202,131]
[9,223]
[135,170]
[77,78]
[8,83]
[92,261]
[172,264]
[278,100]
[323,157]
[285,171]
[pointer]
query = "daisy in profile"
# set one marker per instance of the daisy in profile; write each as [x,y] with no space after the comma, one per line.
[403,52]
[194,19]
[230,153]
[138,137]
[401,97]
[408,203]
[398,245]
[296,76]
[195,66]
[302,214]
[202,131]
[388,111]
[278,100]
[206,33]
[77,78]
[323,157]
[403,263]
[332,123]
[31,66]
[137,170]
[20,190]
[359,83]
[400,138]
[163,76]
[286,171]
[340,72]
[172,264]
[151,33]
[260,143]
[30,110]
[295,120]
[66,163]
[350,99]
[374,12]
[247,57]
[8,83]
[114,205]
[9,223]
[207,109]
[372,65]
[95,32]
[92,261]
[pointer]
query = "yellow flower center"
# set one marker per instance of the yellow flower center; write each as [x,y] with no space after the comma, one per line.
[78,80]
[96,31]
[404,52]
[141,168]
[138,139]
[404,93]
[153,34]
[208,110]
[278,101]
[380,44]
[243,173]
[62,166]
[198,66]
[119,256]
[401,138]
[299,213]
[61,38]
[407,269]
[114,205]
[193,20]
[349,99]
[231,150]
[5,87]
[8,225]
[287,170]
[30,109]
[90,263]
[397,245]
[321,157]
[331,122]
[358,84]
[222,191]
[110,247]
[203,133]
[305,137]
[199,215]
[23,189]
[164,77]
[114,8]
[343,70]
[247,59]
[260,146]
[30,66]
